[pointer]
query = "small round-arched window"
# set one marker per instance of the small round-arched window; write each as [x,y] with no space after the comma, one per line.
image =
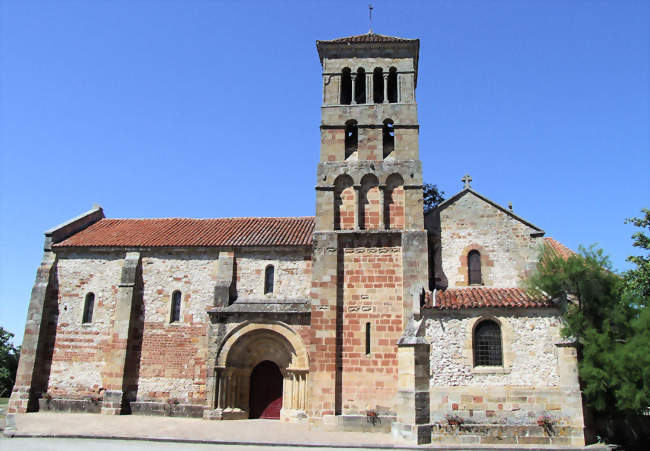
[269,274]
[89,306]
[487,344]
[474,268]
[176,307]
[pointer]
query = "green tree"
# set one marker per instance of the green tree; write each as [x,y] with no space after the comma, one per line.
[607,315]
[432,197]
[8,362]
[638,279]
[635,356]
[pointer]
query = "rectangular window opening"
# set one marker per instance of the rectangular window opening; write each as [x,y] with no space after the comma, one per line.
[367,338]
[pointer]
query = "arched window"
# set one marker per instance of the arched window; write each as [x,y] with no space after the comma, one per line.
[378,85]
[176,307]
[346,86]
[360,86]
[351,138]
[89,306]
[487,344]
[268,279]
[474,267]
[388,137]
[392,85]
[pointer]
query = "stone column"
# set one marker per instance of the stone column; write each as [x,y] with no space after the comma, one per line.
[357,195]
[27,389]
[353,101]
[369,96]
[223,386]
[382,201]
[385,87]
[294,395]
[413,403]
[113,374]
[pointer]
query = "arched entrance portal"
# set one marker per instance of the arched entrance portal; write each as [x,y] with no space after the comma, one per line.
[261,372]
[266,391]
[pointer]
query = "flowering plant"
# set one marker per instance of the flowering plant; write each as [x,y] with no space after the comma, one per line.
[454,419]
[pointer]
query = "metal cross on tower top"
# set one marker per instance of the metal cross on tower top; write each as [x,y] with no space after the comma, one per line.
[370,8]
[467,180]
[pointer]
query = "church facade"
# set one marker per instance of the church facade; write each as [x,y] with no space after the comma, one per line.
[368,311]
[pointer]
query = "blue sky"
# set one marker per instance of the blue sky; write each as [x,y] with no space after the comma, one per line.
[211,109]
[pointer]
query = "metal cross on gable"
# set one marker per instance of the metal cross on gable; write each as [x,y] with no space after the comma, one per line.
[467,180]
[370,8]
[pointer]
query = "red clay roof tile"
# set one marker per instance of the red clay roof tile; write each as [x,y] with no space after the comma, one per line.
[366,38]
[464,298]
[194,232]
[560,249]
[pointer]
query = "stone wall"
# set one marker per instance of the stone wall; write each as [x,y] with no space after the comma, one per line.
[173,355]
[528,384]
[166,360]
[508,252]
[372,294]
[292,273]
[78,355]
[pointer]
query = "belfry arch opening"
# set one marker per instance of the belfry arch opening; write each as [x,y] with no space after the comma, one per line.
[360,86]
[378,85]
[346,86]
[351,139]
[392,85]
[388,137]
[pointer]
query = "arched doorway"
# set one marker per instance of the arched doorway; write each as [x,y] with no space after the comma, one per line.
[266,391]
[261,372]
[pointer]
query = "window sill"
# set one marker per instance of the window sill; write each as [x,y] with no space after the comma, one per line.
[490,370]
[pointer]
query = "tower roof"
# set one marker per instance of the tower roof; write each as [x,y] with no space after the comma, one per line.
[366,39]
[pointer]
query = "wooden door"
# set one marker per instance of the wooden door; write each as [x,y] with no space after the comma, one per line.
[266,391]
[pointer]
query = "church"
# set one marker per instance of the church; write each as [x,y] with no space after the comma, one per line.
[369,315]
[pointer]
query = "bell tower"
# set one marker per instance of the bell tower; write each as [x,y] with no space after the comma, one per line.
[369,266]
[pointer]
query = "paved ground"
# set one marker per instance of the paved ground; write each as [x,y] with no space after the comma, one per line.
[91,432]
[243,431]
[57,444]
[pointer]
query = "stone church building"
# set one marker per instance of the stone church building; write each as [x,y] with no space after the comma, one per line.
[368,315]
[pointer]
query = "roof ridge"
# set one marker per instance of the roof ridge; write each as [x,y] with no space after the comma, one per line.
[219,232]
[359,38]
[461,193]
[210,219]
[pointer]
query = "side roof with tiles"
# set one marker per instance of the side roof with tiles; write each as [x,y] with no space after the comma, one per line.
[172,232]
